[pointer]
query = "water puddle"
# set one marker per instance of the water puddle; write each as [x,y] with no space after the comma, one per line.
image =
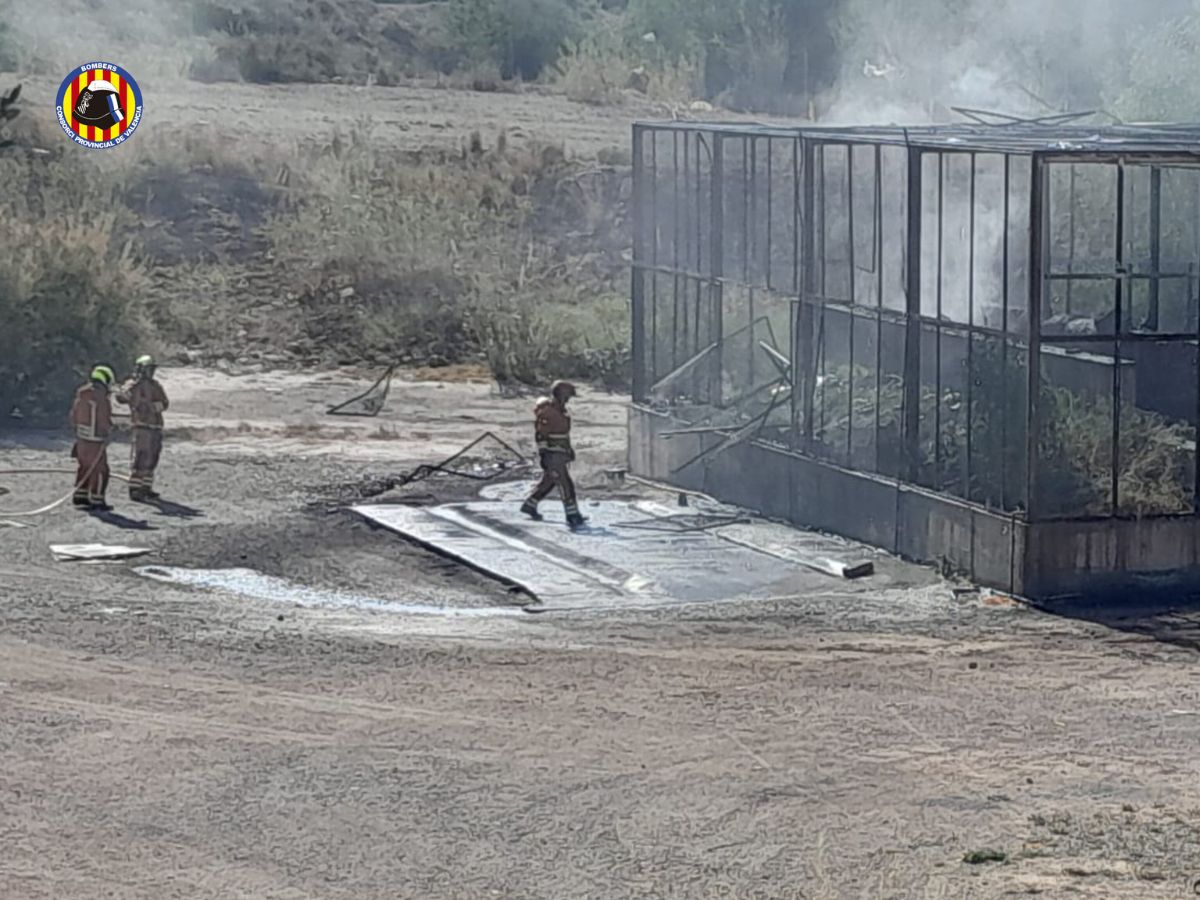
[257,586]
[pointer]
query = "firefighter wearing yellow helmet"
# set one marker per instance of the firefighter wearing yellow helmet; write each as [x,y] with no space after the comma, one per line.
[147,401]
[91,421]
[552,430]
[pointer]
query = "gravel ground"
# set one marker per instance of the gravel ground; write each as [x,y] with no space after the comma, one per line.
[159,741]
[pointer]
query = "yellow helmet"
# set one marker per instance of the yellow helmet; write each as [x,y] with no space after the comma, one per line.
[104,375]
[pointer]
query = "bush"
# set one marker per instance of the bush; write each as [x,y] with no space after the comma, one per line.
[69,286]
[523,37]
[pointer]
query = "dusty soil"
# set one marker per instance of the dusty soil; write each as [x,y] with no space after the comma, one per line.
[159,741]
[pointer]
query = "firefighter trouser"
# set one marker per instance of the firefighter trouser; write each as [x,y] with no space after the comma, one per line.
[555,475]
[145,450]
[91,478]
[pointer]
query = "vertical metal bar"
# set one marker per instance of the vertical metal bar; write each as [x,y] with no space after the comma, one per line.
[637,277]
[1072,238]
[1005,450]
[797,222]
[1118,327]
[685,237]
[752,257]
[654,218]
[700,213]
[717,254]
[912,323]
[803,358]
[1155,247]
[823,251]
[1195,314]
[770,209]
[801,232]
[937,335]
[853,304]
[970,333]
[879,294]
[1037,246]
[675,254]
[747,150]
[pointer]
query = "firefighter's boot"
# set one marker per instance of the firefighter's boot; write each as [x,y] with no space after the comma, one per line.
[530,509]
[575,521]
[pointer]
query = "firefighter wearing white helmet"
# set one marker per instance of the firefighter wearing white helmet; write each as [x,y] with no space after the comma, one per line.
[147,401]
[91,422]
[552,431]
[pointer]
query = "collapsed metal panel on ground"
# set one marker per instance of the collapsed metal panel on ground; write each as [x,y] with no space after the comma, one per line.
[1006,316]
[631,555]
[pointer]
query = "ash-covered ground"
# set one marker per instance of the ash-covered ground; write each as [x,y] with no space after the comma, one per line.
[347,740]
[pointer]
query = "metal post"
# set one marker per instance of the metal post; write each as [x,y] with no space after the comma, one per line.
[937,334]
[685,263]
[654,219]
[970,334]
[638,275]
[912,323]
[675,239]
[717,265]
[750,250]
[1005,450]
[853,304]
[803,357]
[1071,238]
[878,293]
[1155,245]
[1118,326]
[770,210]
[1037,247]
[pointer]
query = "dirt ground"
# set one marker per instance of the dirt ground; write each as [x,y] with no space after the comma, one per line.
[159,741]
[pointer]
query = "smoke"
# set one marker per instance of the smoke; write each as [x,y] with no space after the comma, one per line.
[913,61]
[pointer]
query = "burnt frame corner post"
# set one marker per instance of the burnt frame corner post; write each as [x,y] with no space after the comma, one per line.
[640,385]
[1039,248]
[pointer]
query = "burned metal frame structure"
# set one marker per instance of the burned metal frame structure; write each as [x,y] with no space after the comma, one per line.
[975,345]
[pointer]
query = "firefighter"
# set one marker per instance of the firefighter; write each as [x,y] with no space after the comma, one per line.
[91,420]
[552,429]
[147,401]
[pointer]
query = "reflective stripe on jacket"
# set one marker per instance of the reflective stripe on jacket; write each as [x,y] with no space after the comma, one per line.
[91,414]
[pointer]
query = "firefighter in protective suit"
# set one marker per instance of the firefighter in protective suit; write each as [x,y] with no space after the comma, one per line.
[147,401]
[552,429]
[91,421]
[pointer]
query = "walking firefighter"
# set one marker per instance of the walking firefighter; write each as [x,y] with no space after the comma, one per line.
[147,401]
[552,429]
[91,421]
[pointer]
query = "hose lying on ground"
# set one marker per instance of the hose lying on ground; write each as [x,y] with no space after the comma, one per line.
[49,507]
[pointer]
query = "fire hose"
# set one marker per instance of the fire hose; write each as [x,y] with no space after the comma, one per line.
[50,507]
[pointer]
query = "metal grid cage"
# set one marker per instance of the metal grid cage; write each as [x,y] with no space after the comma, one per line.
[1006,314]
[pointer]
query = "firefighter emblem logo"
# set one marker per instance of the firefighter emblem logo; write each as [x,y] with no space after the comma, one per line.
[99,105]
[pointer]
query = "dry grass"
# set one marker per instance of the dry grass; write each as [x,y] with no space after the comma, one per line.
[347,252]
